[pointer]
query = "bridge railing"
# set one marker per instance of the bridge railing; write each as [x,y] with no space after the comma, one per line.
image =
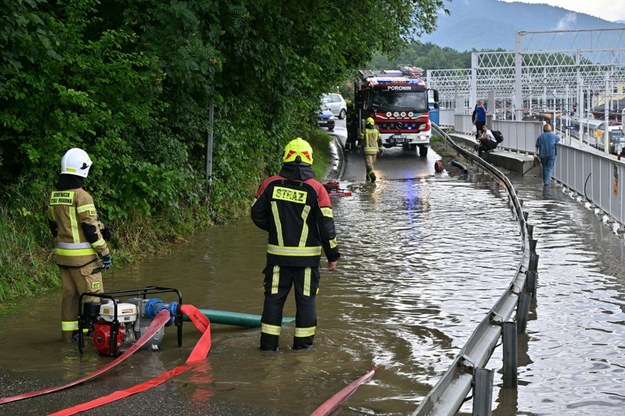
[598,177]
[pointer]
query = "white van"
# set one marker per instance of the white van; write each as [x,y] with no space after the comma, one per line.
[336,104]
[616,136]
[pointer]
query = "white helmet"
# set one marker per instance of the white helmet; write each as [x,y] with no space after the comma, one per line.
[76,162]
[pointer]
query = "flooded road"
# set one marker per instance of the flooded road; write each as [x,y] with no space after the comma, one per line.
[423,260]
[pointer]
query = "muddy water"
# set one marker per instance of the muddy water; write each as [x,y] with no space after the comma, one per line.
[423,261]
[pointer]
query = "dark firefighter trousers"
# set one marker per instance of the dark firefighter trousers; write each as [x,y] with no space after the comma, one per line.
[277,284]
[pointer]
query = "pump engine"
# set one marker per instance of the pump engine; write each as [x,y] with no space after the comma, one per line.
[114,323]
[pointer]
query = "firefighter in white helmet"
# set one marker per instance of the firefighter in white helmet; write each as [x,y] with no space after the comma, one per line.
[81,250]
[296,212]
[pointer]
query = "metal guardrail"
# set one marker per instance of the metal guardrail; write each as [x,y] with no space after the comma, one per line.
[467,370]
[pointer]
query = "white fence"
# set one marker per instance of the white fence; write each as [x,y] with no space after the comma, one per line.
[599,177]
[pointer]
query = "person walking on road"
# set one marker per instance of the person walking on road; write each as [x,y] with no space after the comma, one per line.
[81,249]
[547,151]
[479,117]
[296,212]
[372,146]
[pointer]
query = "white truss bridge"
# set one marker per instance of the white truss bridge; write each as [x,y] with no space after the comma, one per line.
[568,71]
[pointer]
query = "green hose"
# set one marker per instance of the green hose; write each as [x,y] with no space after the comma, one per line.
[235,318]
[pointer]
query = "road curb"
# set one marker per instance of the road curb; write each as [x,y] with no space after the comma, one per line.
[337,168]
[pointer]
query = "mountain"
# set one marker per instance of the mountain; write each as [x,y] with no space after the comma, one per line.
[492,24]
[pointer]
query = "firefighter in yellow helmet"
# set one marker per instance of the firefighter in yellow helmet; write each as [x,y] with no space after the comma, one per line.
[371,146]
[296,212]
[81,250]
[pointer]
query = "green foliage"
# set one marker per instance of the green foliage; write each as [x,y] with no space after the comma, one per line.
[24,259]
[132,83]
[320,142]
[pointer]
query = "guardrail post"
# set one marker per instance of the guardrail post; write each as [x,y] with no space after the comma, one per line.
[509,355]
[482,391]
[522,311]
[530,284]
[533,245]
[533,265]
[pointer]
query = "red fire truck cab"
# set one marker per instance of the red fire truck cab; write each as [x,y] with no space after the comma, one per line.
[399,102]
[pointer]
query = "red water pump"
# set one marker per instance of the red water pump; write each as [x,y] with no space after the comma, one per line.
[123,317]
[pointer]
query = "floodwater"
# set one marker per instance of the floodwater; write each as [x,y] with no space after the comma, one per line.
[422,263]
[574,360]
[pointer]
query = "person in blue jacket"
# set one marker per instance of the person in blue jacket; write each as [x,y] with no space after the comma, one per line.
[547,152]
[479,117]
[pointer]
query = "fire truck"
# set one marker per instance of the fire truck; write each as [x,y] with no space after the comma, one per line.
[399,102]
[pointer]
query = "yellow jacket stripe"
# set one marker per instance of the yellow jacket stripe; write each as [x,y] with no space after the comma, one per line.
[85,208]
[74,225]
[72,246]
[304,236]
[333,243]
[293,251]
[74,253]
[327,212]
[276,218]
[98,243]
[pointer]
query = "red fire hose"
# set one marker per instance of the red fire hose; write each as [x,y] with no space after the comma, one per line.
[199,353]
[159,321]
[339,398]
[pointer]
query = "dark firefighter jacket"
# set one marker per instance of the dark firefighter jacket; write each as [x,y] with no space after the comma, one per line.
[296,211]
[74,223]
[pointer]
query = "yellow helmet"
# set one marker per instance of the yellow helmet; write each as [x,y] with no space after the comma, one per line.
[298,148]
[370,121]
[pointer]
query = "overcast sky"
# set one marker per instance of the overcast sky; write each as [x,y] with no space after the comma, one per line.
[611,10]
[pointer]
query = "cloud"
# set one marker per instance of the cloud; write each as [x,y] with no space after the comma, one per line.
[567,22]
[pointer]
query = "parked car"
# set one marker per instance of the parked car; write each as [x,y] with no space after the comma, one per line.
[325,118]
[336,104]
